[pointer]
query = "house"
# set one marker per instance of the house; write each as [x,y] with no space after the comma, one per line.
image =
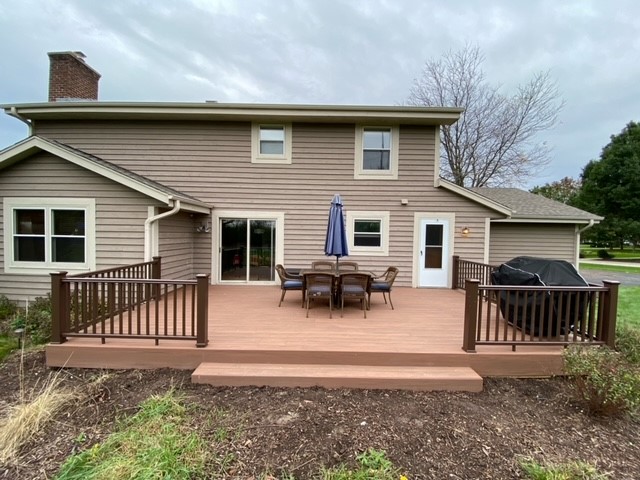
[234,189]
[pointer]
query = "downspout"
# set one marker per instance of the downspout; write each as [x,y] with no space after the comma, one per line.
[148,243]
[13,112]
[586,227]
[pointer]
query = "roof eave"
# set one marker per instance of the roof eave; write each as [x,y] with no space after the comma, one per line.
[547,219]
[238,112]
[471,195]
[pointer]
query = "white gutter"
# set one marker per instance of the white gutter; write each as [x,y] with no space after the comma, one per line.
[13,112]
[578,232]
[148,241]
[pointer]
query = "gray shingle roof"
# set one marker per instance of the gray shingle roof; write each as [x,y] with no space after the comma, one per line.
[526,205]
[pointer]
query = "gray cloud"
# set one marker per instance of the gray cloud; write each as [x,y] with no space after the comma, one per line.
[331,51]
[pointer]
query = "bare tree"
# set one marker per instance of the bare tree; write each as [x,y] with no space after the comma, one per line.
[494,142]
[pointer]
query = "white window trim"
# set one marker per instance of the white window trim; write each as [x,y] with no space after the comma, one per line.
[383,249]
[257,157]
[43,268]
[392,173]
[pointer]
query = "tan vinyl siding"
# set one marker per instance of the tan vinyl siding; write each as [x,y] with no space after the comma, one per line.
[175,246]
[509,240]
[212,161]
[120,215]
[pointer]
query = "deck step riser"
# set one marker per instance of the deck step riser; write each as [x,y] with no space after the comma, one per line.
[339,376]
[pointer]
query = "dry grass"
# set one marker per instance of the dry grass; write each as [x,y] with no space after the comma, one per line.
[22,422]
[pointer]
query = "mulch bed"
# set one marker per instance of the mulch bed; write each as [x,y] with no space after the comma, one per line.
[297,431]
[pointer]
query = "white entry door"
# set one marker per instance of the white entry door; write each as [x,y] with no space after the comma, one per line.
[433,254]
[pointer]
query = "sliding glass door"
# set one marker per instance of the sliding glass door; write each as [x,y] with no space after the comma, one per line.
[247,249]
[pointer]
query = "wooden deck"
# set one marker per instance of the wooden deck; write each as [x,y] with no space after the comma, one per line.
[247,327]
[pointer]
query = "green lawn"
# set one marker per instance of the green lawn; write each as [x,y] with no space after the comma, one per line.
[629,306]
[6,346]
[592,252]
[610,268]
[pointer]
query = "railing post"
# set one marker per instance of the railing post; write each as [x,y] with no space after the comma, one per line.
[59,307]
[470,315]
[156,274]
[202,310]
[456,266]
[610,312]
[156,268]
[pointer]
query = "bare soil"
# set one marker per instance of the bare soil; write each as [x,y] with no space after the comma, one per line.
[279,432]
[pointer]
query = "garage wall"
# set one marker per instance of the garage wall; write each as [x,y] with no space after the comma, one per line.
[555,241]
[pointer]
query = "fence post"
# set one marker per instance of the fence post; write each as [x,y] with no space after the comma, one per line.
[470,315]
[59,307]
[610,312]
[202,310]
[456,266]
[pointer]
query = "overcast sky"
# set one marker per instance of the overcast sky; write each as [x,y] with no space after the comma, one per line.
[333,52]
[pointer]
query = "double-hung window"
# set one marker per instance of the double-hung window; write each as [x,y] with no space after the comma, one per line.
[271,143]
[376,152]
[368,233]
[42,234]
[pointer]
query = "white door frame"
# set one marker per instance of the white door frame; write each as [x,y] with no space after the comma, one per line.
[418,217]
[249,214]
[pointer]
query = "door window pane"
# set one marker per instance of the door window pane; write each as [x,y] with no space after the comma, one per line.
[233,261]
[262,238]
[433,246]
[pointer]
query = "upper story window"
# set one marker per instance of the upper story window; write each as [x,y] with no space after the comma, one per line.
[376,152]
[271,143]
[42,234]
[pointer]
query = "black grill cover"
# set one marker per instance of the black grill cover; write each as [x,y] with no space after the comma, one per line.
[533,313]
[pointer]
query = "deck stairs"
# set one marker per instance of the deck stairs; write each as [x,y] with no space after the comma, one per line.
[417,378]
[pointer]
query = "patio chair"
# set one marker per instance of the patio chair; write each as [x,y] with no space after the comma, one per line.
[346,266]
[354,285]
[323,265]
[383,283]
[319,285]
[289,281]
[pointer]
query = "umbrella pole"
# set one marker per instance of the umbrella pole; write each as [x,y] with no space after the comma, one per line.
[337,266]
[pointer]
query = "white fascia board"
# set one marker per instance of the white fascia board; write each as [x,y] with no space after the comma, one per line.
[243,112]
[471,195]
[543,220]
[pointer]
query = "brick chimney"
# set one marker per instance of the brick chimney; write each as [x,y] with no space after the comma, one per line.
[70,78]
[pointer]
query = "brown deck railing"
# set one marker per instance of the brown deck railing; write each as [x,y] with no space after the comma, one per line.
[129,302]
[463,269]
[519,315]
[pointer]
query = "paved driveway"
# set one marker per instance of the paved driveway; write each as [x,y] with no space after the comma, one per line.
[596,276]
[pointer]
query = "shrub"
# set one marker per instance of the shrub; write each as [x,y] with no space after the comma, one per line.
[8,311]
[604,379]
[38,320]
[604,254]
[628,343]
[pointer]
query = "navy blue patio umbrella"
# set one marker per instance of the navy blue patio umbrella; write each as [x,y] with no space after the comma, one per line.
[336,242]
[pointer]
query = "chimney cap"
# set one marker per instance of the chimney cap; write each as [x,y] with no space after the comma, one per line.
[79,56]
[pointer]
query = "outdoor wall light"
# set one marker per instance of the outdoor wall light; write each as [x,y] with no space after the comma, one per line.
[465,231]
[203,228]
[404,201]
